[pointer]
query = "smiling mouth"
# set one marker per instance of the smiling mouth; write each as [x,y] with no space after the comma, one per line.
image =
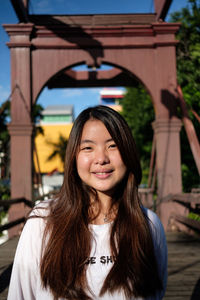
[103,175]
[103,172]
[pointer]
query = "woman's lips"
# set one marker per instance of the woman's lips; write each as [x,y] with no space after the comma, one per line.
[103,174]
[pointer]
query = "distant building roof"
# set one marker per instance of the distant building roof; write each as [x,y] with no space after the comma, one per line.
[111,93]
[58,110]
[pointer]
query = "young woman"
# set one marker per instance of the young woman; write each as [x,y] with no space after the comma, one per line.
[95,240]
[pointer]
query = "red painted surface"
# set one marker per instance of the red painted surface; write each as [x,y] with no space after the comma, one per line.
[44,51]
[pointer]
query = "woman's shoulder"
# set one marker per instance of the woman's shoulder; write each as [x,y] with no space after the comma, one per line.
[36,220]
[154,223]
[31,238]
[41,208]
[152,216]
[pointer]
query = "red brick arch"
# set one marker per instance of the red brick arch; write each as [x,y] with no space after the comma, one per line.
[43,52]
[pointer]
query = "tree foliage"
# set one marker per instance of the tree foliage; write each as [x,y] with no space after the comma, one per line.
[188,52]
[188,72]
[36,116]
[59,148]
[4,138]
[138,111]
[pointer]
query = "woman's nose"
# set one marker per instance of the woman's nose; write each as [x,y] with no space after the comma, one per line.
[101,157]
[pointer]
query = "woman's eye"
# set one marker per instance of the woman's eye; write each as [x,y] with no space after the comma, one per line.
[112,146]
[87,148]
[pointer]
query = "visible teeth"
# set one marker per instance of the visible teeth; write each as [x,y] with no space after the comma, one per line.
[101,173]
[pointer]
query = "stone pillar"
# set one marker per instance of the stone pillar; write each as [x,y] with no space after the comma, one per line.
[21,127]
[168,164]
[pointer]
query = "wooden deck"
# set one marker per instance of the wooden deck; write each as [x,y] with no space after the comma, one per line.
[7,252]
[183,267]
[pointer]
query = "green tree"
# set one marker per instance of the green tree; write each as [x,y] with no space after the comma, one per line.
[188,52]
[188,72]
[59,148]
[4,138]
[138,111]
[36,117]
[4,155]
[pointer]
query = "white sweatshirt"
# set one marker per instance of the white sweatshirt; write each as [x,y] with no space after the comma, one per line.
[26,282]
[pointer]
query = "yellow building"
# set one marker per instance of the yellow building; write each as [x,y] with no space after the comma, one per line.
[57,120]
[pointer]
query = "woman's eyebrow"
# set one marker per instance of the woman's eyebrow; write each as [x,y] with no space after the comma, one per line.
[93,142]
[87,141]
[109,140]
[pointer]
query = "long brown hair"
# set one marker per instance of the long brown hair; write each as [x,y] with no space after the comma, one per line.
[65,251]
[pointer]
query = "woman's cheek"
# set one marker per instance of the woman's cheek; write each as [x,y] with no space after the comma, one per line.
[83,161]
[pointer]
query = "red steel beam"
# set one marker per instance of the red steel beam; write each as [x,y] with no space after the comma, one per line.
[161,8]
[190,131]
[21,10]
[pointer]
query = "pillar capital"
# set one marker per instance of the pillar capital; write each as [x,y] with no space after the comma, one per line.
[19,29]
[167,125]
[20,129]
[20,35]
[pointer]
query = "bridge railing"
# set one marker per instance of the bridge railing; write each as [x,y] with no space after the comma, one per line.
[147,197]
[5,204]
[192,202]
[189,200]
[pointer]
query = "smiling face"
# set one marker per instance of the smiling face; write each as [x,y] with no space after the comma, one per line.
[98,161]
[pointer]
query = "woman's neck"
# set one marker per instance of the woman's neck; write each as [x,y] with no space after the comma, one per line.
[104,211]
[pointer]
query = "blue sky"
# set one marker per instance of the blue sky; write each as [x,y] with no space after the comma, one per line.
[84,97]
